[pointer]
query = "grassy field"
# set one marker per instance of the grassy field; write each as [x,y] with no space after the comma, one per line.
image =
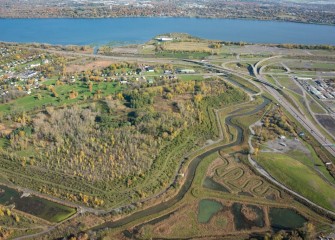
[190,77]
[299,178]
[180,55]
[312,161]
[187,46]
[289,84]
[31,102]
[315,107]
[312,64]
[271,80]
[246,84]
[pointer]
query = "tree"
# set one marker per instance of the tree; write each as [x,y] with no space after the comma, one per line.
[8,212]
[38,96]
[73,94]
[119,96]
[16,218]
[198,98]
[90,86]
[256,150]
[309,230]
[169,96]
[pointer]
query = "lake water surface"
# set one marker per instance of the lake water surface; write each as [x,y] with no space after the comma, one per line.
[140,30]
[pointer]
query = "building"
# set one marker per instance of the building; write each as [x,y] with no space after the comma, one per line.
[149,69]
[303,78]
[164,39]
[189,71]
[35,65]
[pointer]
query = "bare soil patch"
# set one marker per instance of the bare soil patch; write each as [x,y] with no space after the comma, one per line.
[277,145]
[249,213]
[85,65]
[125,50]
[328,122]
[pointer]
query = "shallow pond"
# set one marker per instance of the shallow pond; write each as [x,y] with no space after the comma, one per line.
[207,208]
[34,205]
[284,218]
[211,184]
[248,216]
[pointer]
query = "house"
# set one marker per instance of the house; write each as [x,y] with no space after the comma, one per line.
[149,69]
[164,39]
[35,65]
[303,78]
[189,71]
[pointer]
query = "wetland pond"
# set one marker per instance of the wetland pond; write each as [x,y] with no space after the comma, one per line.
[211,184]
[208,208]
[247,216]
[39,207]
[284,218]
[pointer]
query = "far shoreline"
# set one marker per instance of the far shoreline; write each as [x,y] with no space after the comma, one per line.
[185,17]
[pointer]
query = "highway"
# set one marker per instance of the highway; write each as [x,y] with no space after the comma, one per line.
[274,92]
[303,120]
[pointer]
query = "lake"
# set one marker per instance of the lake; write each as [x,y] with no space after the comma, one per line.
[140,30]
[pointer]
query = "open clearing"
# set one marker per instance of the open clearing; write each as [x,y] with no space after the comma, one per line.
[187,46]
[309,184]
[328,122]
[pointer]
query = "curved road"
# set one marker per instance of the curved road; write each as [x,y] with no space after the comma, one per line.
[305,122]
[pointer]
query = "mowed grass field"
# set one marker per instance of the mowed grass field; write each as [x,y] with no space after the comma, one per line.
[299,178]
[187,46]
[29,102]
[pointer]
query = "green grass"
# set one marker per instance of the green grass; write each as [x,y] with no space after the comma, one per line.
[299,178]
[271,80]
[311,161]
[39,207]
[63,212]
[202,168]
[323,65]
[244,83]
[315,107]
[300,73]
[190,77]
[288,83]
[3,142]
[30,102]
[168,54]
